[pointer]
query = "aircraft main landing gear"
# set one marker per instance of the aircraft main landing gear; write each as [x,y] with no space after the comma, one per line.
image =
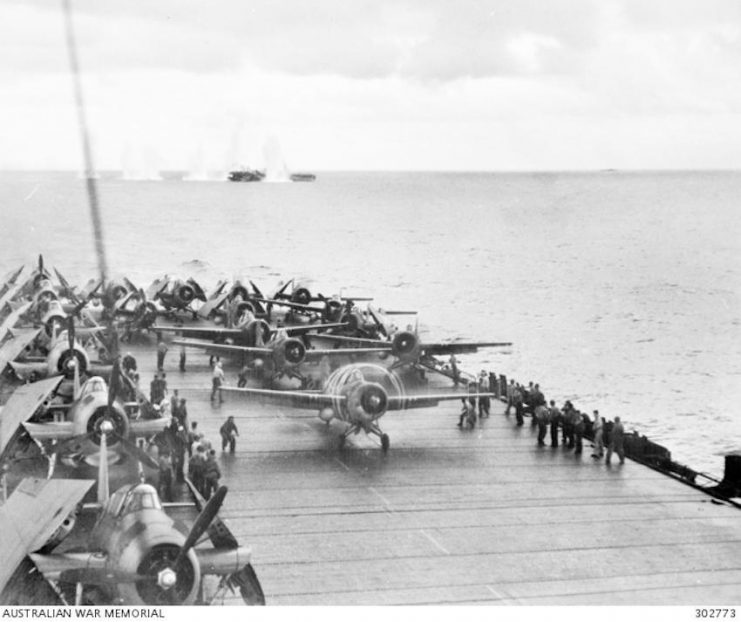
[385,442]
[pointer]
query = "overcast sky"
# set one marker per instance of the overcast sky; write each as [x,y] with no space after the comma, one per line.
[382,84]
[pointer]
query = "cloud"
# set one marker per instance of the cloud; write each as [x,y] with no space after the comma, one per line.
[360,84]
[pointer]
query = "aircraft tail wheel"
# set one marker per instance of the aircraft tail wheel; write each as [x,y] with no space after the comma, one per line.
[385,442]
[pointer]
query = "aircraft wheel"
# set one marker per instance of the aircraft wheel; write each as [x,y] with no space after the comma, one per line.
[385,442]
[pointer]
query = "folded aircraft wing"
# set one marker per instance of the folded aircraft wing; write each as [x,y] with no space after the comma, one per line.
[20,339]
[211,305]
[32,515]
[11,277]
[21,406]
[296,399]
[10,293]
[157,286]
[401,402]
[459,347]
[16,311]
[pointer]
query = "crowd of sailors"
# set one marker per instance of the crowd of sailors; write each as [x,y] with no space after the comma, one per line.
[568,423]
[180,449]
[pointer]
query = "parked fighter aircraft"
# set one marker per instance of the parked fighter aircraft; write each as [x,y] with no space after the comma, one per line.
[65,355]
[358,395]
[409,349]
[71,430]
[284,354]
[176,294]
[230,302]
[136,554]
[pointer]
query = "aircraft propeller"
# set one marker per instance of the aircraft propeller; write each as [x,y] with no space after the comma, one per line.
[66,287]
[163,569]
[145,313]
[202,522]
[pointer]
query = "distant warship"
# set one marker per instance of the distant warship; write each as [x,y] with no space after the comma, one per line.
[249,174]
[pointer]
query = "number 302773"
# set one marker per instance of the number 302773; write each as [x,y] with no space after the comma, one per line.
[715,613]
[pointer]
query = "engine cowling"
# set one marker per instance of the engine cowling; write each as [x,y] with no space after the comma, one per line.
[405,346]
[352,321]
[54,322]
[185,293]
[163,581]
[301,295]
[240,309]
[332,310]
[116,291]
[148,315]
[291,351]
[65,360]
[117,418]
[368,402]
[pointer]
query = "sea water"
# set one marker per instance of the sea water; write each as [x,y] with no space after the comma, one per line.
[619,290]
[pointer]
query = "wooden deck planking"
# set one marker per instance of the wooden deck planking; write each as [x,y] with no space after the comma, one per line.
[451,516]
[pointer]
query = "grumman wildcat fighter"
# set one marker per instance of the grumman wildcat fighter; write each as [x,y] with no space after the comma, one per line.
[357,395]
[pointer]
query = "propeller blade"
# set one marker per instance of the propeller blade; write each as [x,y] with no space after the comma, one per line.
[66,287]
[282,289]
[103,487]
[379,324]
[256,289]
[202,523]
[113,385]
[129,284]
[71,332]
[41,264]
[76,382]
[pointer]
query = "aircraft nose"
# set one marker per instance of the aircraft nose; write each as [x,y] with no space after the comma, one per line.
[106,427]
[166,578]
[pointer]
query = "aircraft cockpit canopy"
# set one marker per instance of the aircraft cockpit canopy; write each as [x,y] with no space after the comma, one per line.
[94,385]
[133,499]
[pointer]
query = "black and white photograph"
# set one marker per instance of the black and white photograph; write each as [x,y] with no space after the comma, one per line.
[336,303]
